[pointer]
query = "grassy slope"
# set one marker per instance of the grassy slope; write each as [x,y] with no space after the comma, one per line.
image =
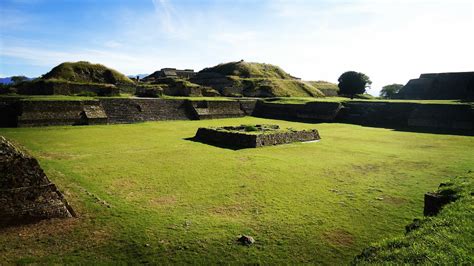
[313,202]
[244,69]
[254,75]
[86,72]
[324,85]
[445,239]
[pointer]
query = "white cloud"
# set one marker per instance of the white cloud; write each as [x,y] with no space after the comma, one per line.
[391,41]
[170,20]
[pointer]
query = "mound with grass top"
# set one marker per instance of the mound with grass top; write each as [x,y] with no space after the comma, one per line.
[85,72]
[328,88]
[244,69]
[254,80]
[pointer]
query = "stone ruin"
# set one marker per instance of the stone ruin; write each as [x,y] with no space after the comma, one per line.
[456,85]
[170,73]
[253,136]
[26,193]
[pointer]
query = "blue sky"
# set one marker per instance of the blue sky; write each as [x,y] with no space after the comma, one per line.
[390,41]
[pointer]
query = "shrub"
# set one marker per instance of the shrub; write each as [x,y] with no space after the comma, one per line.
[250,128]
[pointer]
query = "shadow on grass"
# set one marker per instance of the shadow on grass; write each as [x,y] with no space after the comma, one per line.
[430,130]
[215,144]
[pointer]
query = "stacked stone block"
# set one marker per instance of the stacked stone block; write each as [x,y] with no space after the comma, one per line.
[26,193]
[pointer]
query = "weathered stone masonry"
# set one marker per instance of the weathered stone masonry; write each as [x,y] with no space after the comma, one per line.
[27,113]
[26,194]
[242,140]
[120,110]
[385,114]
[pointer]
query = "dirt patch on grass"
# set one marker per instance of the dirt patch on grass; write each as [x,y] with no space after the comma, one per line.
[56,156]
[124,183]
[366,168]
[42,228]
[339,237]
[163,201]
[227,210]
[394,200]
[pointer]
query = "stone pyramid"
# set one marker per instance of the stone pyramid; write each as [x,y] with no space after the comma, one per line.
[26,194]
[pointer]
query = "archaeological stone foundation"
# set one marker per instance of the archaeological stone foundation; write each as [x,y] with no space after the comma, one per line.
[28,113]
[26,193]
[253,136]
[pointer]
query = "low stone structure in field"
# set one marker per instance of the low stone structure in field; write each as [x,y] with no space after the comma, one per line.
[253,136]
[26,194]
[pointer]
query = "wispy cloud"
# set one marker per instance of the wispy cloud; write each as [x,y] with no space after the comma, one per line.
[391,41]
[48,57]
[169,18]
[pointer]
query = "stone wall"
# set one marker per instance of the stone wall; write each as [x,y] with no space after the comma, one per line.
[216,109]
[376,113]
[442,116]
[26,194]
[248,106]
[458,85]
[50,113]
[140,110]
[15,112]
[57,87]
[9,111]
[241,140]
[28,113]
[382,114]
[318,111]
[405,115]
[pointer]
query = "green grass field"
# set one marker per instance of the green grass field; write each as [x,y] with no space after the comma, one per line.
[145,194]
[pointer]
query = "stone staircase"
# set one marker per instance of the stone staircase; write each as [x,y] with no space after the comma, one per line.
[139,110]
[216,109]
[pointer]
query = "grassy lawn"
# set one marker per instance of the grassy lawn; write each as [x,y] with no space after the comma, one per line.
[145,194]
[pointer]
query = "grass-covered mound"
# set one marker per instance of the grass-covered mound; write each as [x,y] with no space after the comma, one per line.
[329,89]
[254,80]
[86,72]
[244,69]
[445,239]
[78,78]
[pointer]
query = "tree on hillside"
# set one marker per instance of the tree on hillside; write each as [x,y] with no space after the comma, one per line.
[352,83]
[18,79]
[389,91]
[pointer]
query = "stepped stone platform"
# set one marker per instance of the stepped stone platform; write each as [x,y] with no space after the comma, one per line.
[319,111]
[139,110]
[216,109]
[26,194]
[253,136]
[456,118]
[456,85]
[50,113]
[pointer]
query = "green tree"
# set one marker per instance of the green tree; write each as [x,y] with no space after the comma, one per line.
[18,79]
[389,91]
[352,83]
